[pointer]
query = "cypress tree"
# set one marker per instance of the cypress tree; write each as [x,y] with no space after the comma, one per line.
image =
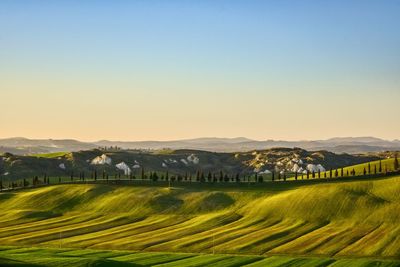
[380,166]
[226,178]
[396,163]
[273,176]
[364,171]
[202,177]
[142,173]
[295,175]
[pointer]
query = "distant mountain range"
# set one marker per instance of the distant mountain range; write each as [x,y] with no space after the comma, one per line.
[351,145]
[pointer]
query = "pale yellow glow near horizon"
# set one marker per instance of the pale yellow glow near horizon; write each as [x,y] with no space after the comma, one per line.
[127,111]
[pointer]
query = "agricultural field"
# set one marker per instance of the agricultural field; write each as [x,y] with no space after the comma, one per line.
[37,256]
[336,219]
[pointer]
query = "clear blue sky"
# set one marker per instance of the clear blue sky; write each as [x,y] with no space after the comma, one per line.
[136,70]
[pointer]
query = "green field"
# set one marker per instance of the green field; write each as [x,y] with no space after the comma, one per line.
[372,168]
[36,256]
[386,165]
[51,155]
[327,219]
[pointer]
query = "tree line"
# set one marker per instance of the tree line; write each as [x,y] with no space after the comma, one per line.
[202,177]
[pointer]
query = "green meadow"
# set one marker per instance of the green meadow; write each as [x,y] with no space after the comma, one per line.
[333,222]
[38,256]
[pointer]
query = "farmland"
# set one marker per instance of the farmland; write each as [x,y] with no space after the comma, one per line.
[326,219]
[36,256]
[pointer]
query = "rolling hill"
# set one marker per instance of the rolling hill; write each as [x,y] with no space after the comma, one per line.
[329,219]
[178,162]
[25,146]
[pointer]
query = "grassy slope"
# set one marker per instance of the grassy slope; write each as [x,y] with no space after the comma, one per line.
[386,164]
[17,256]
[331,219]
[51,155]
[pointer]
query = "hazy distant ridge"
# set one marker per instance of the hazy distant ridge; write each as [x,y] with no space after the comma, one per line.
[20,145]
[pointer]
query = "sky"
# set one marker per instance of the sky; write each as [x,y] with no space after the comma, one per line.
[166,70]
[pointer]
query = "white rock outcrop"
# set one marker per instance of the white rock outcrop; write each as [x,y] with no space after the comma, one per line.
[123,167]
[101,160]
[321,168]
[193,159]
[136,166]
[164,165]
[265,172]
[62,166]
[295,168]
[312,168]
[184,161]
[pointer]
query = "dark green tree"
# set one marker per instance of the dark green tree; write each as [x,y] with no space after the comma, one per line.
[226,178]
[396,163]
[202,177]
[155,177]
[237,177]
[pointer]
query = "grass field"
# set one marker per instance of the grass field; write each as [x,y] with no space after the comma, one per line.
[23,257]
[50,155]
[358,218]
[372,168]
